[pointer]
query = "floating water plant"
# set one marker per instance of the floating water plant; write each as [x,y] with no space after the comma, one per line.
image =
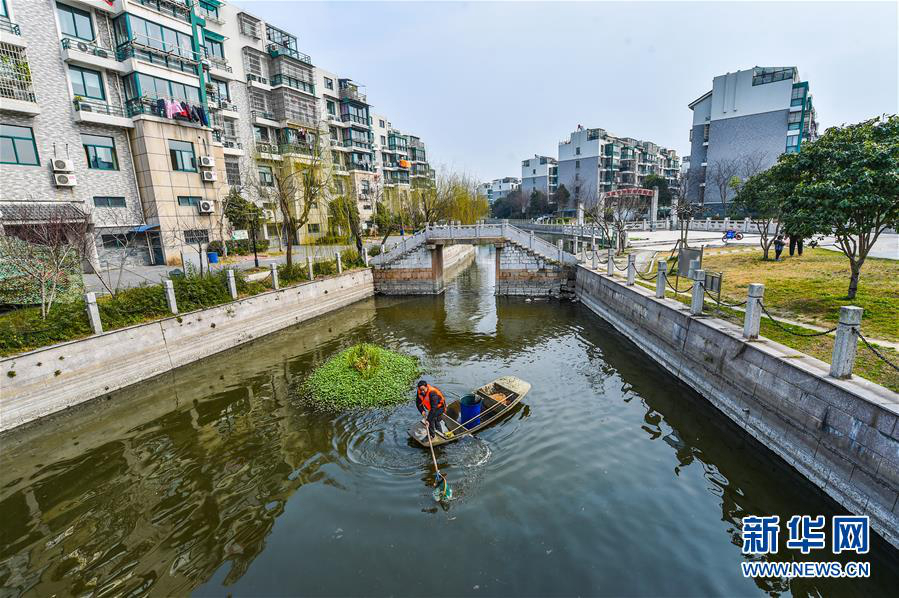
[364,375]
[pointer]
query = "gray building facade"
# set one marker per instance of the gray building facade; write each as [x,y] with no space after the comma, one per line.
[742,126]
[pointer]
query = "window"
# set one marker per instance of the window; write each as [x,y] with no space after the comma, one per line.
[209,9]
[3,11]
[329,83]
[87,83]
[383,140]
[189,200]
[17,146]
[266,179]
[381,123]
[214,48]
[794,121]
[100,152]
[114,241]
[332,109]
[196,235]
[313,227]
[705,133]
[75,22]
[577,151]
[533,171]
[260,134]
[691,134]
[221,88]
[182,154]
[159,88]
[577,163]
[232,172]
[102,201]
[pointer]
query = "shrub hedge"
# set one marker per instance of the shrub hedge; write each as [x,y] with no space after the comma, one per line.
[239,247]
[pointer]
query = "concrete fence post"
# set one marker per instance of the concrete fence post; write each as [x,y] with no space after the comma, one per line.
[698,292]
[726,223]
[93,313]
[169,288]
[309,266]
[611,263]
[661,279]
[232,284]
[746,225]
[753,317]
[531,240]
[593,253]
[631,269]
[644,224]
[365,256]
[846,342]
[273,272]
[694,265]
[708,223]
[339,262]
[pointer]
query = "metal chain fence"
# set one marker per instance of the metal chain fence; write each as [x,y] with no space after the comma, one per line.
[876,352]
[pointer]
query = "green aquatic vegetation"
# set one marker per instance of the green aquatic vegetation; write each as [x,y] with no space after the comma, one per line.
[364,375]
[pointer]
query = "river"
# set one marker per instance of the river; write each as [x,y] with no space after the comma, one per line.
[611,479]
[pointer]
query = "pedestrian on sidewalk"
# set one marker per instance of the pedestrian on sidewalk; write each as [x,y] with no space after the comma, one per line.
[778,247]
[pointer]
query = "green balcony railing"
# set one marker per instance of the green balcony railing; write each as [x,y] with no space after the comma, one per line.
[98,107]
[354,118]
[276,50]
[70,43]
[10,27]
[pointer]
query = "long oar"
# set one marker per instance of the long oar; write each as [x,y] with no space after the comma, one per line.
[446,492]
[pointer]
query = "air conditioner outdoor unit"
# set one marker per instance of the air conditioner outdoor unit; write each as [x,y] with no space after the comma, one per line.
[209,176]
[65,180]
[268,214]
[207,162]
[205,207]
[61,165]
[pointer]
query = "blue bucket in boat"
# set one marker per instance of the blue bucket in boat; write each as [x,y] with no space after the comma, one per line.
[471,410]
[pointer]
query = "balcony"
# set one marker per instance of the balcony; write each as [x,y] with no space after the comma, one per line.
[231,146]
[149,105]
[78,51]
[172,8]
[276,50]
[209,15]
[16,88]
[367,167]
[268,151]
[159,53]
[11,34]
[262,117]
[353,118]
[101,113]
[357,143]
[293,83]
[219,64]
[258,81]
[351,92]
[300,149]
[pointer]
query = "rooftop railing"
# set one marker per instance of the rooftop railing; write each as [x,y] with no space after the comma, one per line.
[276,50]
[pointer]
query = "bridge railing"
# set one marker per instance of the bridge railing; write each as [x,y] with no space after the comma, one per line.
[400,248]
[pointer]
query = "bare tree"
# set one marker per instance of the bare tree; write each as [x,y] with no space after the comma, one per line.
[301,181]
[682,206]
[721,173]
[44,244]
[612,214]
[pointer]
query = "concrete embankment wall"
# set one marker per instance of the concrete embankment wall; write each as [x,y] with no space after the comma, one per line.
[523,273]
[842,435]
[423,271]
[41,382]
[455,259]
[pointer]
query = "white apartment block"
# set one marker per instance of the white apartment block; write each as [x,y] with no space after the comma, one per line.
[593,161]
[540,173]
[499,188]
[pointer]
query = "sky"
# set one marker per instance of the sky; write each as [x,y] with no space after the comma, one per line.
[489,84]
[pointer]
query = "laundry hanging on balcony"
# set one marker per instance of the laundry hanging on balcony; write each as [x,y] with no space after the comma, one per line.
[182,111]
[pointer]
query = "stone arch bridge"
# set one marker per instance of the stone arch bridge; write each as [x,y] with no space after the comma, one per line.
[525,264]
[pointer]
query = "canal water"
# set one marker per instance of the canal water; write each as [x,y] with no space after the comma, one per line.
[611,479]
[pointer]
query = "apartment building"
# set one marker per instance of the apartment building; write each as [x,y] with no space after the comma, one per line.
[103,113]
[593,161]
[143,115]
[540,173]
[499,188]
[744,123]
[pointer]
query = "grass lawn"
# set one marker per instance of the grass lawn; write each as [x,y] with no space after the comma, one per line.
[812,288]
[867,365]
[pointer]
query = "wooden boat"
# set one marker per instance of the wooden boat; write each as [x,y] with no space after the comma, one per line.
[493,407]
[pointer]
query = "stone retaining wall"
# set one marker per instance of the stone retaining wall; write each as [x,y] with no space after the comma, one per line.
[45,381]
[522,273]
[842,435]
[424,270]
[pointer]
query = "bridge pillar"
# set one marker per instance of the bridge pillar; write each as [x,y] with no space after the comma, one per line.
[436,251]
[499,258]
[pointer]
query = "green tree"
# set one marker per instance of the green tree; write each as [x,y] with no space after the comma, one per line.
[847,185]
[761,199]
[559,198]
[239,211]
[654,181]
[538,204]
